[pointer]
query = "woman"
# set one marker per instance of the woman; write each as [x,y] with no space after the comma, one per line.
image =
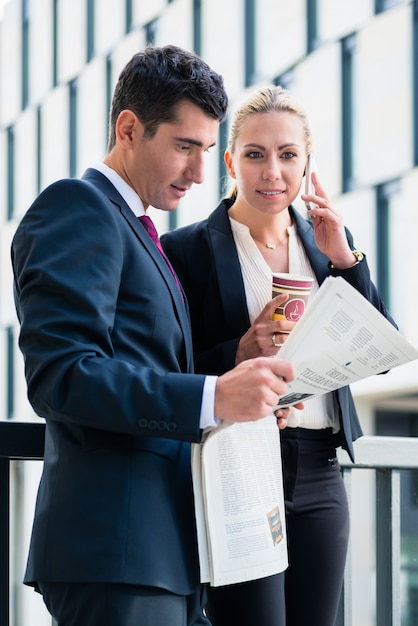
[225,265]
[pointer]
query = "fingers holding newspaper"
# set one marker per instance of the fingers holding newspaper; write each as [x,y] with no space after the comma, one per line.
[250,391]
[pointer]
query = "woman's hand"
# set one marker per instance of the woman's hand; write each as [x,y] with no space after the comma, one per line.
[266,336]
[330,236]
[282,415]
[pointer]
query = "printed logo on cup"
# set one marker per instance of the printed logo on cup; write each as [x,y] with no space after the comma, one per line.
[298,288]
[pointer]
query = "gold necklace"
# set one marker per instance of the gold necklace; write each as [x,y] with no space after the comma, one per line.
[270,246]
[273,246]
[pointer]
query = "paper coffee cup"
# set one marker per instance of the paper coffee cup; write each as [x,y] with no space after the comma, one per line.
[298,288]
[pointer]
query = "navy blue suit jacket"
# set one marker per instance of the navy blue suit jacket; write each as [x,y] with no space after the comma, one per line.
[106,341]
[206,260]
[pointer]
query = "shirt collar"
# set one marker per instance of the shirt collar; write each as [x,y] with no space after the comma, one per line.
[128,194]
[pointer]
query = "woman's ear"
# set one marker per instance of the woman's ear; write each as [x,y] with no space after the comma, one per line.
[229,163]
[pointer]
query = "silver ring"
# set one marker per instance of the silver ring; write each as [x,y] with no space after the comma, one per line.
[273,341]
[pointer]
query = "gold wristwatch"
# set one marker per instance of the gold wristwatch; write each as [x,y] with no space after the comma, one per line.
[358,255]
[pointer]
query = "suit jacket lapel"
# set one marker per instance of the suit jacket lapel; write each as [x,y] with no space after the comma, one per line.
[231,285]
[228,271]
[105,186]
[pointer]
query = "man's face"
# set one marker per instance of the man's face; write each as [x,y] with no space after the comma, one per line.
[162,169]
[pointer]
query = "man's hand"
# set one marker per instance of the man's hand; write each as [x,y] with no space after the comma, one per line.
[250,391]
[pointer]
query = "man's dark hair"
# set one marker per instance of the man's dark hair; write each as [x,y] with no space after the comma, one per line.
[156,80]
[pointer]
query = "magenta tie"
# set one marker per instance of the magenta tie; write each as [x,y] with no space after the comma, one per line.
[148,224]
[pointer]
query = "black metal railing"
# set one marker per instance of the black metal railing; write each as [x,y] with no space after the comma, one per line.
[387,456]
[18,441]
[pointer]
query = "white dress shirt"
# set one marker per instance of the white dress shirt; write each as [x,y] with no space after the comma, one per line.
[318,412]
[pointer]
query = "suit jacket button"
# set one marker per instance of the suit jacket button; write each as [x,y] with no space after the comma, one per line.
[143,423]
[152,424]
[162,425]
[171,427]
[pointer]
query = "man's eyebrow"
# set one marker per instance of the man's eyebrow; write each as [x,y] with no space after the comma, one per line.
[193,142]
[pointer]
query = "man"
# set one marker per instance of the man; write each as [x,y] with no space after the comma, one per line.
[107,345]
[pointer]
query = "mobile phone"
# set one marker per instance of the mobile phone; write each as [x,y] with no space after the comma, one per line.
[310,167]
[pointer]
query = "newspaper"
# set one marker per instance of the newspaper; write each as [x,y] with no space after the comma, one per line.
[340,339]
[237,480]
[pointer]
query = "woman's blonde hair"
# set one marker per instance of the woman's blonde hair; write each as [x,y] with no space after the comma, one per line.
[267,100]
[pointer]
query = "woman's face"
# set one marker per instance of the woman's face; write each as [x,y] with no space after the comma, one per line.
[269,160]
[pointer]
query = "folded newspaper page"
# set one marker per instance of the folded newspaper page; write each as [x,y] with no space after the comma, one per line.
[341,338]
[237,479]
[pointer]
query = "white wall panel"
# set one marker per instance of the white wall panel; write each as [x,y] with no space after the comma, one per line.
[174,25]
[126,48]
[144,12]
[223,41]
[383,106]
[72,38]
[339,18]
[317,86]
[10,64]
[40,50]
[54,137]
[281,35]
[92,114]
[109,24]
[404,256]
[3,176]
[26,157]
[3,373]
[358,209]
[7,311]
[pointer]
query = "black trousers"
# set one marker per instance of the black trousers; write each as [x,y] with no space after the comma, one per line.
[110,604]
[317,522]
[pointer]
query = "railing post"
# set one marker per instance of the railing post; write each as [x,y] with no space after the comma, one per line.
[4,540]
[388,552]
[345,610]
[18,440]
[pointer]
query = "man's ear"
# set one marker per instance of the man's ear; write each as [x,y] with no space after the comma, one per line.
[229,164]
[127,125]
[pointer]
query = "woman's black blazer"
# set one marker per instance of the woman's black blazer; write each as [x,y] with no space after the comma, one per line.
[206,260]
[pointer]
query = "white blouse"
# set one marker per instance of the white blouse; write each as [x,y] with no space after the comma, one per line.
[318,412]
